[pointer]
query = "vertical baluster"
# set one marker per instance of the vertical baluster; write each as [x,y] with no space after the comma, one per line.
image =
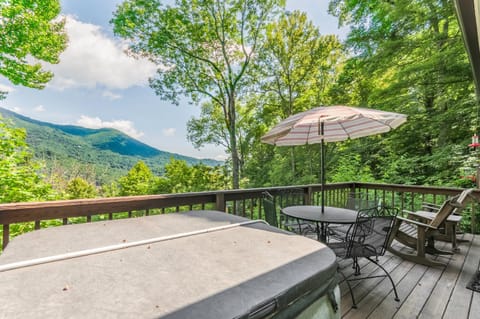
[402,198]
[260,210]
[6,235]
[412,195]
[473,218]
[393,199]
[251,207]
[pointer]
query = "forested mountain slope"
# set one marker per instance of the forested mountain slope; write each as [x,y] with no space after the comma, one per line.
[107,153]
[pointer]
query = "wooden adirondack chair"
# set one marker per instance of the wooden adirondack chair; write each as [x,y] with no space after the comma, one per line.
[420,233]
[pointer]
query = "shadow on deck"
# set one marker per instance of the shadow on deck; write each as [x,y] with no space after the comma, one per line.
[425,292]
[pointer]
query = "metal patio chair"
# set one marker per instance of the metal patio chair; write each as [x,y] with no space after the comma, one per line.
[274,219]
[367,238]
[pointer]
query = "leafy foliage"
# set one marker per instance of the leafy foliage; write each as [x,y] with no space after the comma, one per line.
[30,32]
[80,188]
[19,177]
[138,181]
[409,57]
[181,178]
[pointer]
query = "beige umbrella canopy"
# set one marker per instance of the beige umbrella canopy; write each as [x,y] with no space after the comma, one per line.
[331,124]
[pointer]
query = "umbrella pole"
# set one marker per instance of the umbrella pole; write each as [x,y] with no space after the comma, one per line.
[322,155]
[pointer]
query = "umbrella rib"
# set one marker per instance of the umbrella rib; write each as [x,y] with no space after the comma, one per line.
[344,129]
[383,123]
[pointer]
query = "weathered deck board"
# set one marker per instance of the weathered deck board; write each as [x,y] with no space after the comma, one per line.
[460,298]
[474,310]
[425,292]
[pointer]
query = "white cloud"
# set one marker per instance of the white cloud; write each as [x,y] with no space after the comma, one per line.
[6,88]
[111,96]
[221,157]
[169,131]
[94,59]
[125,126]
[39,108]
[15,109]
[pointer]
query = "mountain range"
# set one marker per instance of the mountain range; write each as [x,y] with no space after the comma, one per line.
[105,153]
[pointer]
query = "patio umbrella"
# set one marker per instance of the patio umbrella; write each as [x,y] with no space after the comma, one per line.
[331,124]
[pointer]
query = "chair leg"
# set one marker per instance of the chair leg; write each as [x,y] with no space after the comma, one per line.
[389,277]
[356,266]
[354,304]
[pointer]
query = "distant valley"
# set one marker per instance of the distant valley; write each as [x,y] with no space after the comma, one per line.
[103,153]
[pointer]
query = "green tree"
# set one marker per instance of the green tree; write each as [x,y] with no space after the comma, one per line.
[296,69]
[19,177]
[297,66]
[182,178]
[138,181]
[30,32]
[409,57]
[209,128]
[80,188]
[204,49]
[110,190]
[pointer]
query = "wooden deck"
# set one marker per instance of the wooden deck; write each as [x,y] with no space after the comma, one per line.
[424,292]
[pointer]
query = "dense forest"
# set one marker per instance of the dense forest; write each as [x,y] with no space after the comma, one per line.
[249,64]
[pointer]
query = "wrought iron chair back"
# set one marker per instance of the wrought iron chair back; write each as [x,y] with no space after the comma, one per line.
[270,210]
[368,238]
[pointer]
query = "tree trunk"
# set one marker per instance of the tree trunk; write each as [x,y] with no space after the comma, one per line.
[233,141]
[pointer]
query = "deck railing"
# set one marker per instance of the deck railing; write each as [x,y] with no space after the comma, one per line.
[243,202]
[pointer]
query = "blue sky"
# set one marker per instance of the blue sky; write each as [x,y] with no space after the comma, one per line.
[97,85]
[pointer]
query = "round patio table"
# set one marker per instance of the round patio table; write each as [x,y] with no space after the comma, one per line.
[331,215]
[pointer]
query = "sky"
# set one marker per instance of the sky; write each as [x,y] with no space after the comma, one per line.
[97,85]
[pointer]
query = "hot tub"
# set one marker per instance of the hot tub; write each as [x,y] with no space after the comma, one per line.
[196,264]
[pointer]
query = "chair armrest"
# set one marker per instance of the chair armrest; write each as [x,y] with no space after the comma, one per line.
[430,207]
[411,215]
[422,215]
[417,223]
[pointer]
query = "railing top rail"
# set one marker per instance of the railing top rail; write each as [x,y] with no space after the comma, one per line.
[20,212]
[421,189]
[149,198]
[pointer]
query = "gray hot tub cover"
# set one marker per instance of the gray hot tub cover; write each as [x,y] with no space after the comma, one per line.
[205,265]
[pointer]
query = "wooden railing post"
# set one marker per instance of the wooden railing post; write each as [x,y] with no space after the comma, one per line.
[308,196]
[220,202]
